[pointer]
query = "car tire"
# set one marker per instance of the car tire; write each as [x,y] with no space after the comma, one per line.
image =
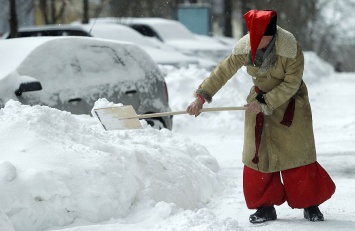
[156,123]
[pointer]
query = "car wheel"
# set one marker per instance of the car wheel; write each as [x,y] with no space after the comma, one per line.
[155,123]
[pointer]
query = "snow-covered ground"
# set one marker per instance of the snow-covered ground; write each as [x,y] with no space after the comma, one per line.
[60,171]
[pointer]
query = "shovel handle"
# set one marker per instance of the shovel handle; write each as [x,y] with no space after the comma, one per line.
[185,112]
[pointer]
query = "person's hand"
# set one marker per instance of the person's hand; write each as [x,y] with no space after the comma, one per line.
[254,107]
[195,107]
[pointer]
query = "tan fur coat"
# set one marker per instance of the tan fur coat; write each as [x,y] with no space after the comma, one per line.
[281,147]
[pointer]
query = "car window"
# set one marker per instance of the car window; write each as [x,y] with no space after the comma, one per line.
[65,32]
[144,30]
[21,34]
[75,33]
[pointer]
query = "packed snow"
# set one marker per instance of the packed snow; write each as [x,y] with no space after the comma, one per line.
[60,171]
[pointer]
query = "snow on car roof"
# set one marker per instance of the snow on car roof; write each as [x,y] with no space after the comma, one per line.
[124,33]
[167,29]
[117,32]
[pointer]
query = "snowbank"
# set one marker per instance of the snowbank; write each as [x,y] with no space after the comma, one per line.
[54,169]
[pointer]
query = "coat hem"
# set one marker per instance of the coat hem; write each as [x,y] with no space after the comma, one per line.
[263,170]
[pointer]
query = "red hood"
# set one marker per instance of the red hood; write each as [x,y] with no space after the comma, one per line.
[257,22]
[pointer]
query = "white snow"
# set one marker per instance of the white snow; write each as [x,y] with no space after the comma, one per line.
[60,171]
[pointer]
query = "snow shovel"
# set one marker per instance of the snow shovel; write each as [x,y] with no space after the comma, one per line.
[125,117]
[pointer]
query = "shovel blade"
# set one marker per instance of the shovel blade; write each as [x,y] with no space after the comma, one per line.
[118,118]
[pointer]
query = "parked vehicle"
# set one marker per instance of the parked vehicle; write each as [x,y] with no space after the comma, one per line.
[120,33]
[72,73]
[175,34]
[160,56]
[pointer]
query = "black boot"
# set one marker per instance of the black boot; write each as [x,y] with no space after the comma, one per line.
[313,214]
[265,213]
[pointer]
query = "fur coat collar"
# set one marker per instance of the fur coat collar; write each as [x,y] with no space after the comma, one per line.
[285,44]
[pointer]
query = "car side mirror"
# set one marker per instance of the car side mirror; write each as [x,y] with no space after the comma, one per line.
[29,86]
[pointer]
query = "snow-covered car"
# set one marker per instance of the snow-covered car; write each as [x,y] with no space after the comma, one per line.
[72,73]
[125,33]
[116,32]
[178,36]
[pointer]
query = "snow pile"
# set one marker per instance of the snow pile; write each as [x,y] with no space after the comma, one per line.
[54,169]
[316,68]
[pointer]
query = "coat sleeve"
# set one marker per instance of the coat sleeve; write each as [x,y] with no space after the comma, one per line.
[292,81]
[220,75]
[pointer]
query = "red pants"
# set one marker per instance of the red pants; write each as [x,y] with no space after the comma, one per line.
[302,187]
